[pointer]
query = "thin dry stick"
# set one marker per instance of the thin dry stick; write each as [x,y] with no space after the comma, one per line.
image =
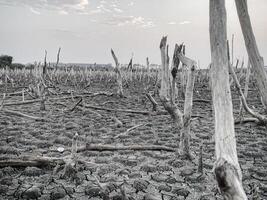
[75,105]
[23,98]
[129,130]
[2,103]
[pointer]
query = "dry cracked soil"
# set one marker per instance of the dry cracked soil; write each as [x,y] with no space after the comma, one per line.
[111,174]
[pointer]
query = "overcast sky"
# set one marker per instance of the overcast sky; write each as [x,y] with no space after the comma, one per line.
[87,29]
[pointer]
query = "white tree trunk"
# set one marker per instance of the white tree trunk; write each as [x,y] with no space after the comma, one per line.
[185,133]
[252,49]
[227,169]
[118,72]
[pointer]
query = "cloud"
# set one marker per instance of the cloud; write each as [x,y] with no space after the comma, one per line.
[56,5]
[63,12]
[172,23]
[131,3]
[34,11]
[118,10]
[120,20]
[185,22]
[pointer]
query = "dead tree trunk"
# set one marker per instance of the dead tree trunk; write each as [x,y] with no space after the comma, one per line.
[252,49]
[185,133]
[165,81]
[182,120]
[45,66]
[147,64]
[227,169]
[58,54]
[118,72]
[174,71]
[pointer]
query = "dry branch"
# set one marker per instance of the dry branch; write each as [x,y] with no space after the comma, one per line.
[31,161]
[129,130]
[260,117]
[72,108]
[247,120]
[58,98]
[117,110]
[19,114]
[153,101]
[91,147]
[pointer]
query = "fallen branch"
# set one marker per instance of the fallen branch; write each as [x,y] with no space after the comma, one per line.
[91,147]
[117,110]
[153,101]
[75,105]
[59,98]
[260,117]
[30,161]
[12,112]
[129,130]
[247,120]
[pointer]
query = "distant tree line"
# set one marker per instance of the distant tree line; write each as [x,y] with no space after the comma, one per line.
[6,60]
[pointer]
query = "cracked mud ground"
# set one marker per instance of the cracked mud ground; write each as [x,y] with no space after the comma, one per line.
[143,174]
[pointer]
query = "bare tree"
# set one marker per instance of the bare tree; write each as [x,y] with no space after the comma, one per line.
[252,49]
[227,169]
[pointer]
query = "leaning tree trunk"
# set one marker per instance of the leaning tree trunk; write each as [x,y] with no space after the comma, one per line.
[252,49]
[227,169]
